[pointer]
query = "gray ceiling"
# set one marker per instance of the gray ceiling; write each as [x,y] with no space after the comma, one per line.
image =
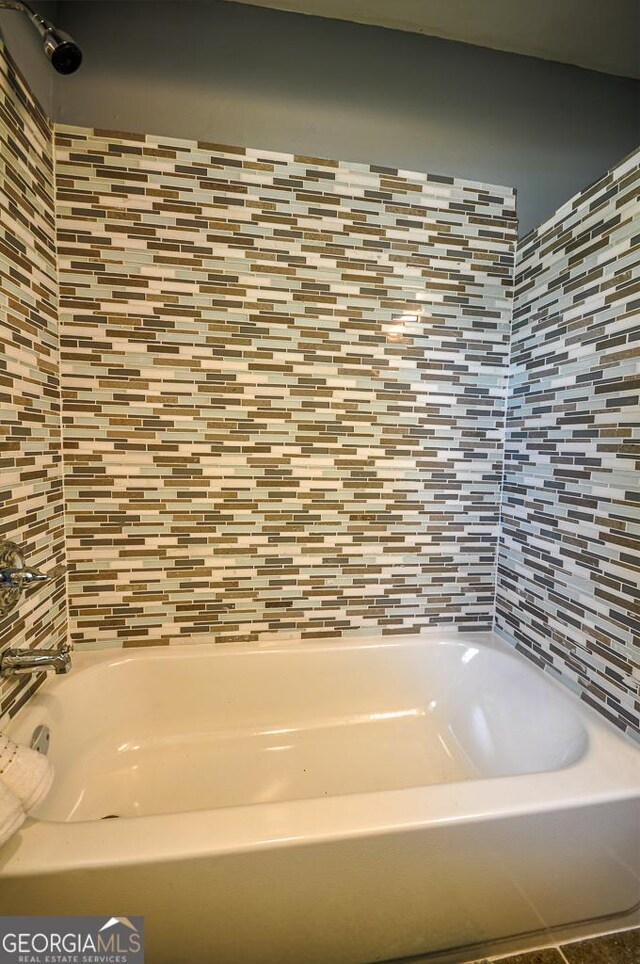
[601,35]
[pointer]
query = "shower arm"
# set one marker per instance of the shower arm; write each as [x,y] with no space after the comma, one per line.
[59,47]
[39,22]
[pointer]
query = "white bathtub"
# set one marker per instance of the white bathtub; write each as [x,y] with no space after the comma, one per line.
[326,802]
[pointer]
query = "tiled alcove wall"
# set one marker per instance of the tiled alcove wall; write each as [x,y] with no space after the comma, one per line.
[31,503]
[569,561]
[284,386]
[390,525]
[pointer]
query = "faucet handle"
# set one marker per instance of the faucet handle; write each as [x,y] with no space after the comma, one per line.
[22,577]
[15,575]
[15,572]
[25,577]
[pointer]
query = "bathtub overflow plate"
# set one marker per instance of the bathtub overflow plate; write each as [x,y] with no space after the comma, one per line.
[40,739]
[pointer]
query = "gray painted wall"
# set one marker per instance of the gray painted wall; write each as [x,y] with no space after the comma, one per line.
[245,75]
[25,47]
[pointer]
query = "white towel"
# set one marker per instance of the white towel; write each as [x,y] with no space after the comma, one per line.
[26,773]
[11,813]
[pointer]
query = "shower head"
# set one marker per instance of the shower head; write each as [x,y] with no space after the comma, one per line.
[60,48]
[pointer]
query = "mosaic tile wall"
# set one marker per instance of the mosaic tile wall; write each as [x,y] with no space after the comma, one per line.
[31,505]
[569,559]
[284,385]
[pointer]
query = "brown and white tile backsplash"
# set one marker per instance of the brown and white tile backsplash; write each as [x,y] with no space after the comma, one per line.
[284,385]
[569,561]
[31,503]
[283,398]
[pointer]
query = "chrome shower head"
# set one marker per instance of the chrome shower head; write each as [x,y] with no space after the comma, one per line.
[60,48]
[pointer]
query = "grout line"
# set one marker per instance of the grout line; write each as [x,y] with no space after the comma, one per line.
[562,955]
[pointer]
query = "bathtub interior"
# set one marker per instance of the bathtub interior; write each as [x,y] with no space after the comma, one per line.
[160,732]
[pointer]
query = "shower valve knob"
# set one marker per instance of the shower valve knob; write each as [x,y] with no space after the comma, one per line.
[16,576]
